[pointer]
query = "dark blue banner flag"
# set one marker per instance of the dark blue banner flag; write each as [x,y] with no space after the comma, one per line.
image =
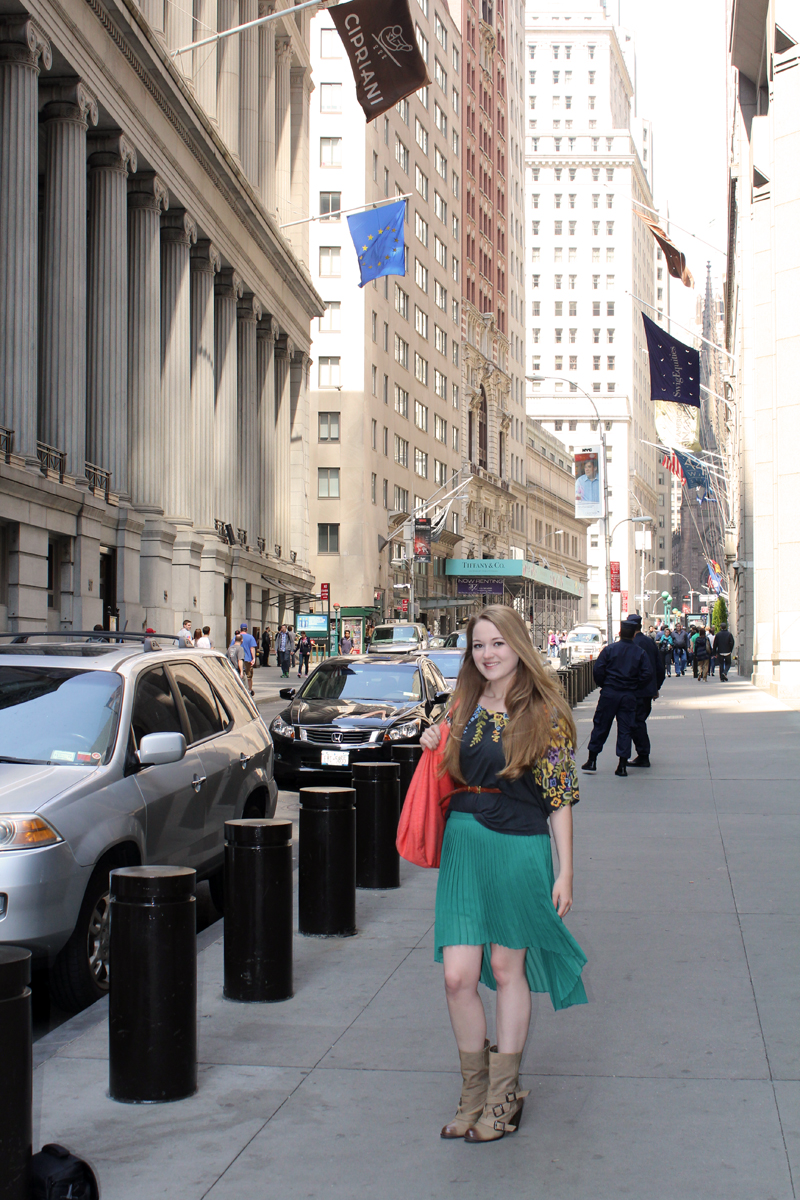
[695,476]
[674,367]
[379,238]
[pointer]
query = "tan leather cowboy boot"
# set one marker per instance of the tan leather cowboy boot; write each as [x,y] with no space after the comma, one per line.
[503,1107]
[475,1076]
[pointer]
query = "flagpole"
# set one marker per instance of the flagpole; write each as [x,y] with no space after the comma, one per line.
[669,220]
[341,211]
[224,33]
[653,308]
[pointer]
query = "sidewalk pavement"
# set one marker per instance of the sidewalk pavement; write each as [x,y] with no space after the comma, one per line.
[267,681]
[680,1079]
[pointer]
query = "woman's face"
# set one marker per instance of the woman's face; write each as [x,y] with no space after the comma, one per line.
[491,654]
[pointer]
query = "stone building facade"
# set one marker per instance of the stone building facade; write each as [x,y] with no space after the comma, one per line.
[155,326]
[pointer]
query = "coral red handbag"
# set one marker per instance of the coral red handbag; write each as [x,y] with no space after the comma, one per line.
[421,828]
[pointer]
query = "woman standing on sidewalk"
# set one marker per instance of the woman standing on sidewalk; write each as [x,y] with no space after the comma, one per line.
[510,755]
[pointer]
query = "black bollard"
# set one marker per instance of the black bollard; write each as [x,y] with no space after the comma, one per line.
[152,1019]
[258,910]
[16,1093]
[377,787]
[407,757]
[327,874]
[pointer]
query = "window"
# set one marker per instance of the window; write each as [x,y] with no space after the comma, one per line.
[400,499]
[421,134]
[440,384]
[421,416]
[401,301]
[421,228]
[401,401]
[440,339]
[400,451]
[440,75]
[330,261]
[328,482]
[327,539]
[329,427]
[401,351]
[609,282]
[455,395]
[440,252]
[402,108]
[454,184]
[401,154]
[557,282]
[374,438]
[441,32]
[609,308]
[559,335]
[439,118]
[385,493]
[420,368]
[573,335]
[595,254]
[329,371]
[421,275]
[330,97]
[440,429]
[557,198]
[610,334]
[610,228]
[559,362]
[373,488]
[329,205]
[420,463]
[595,200]
[374,380]
[609,200]
[331,319]
[330,151]
[374,327]
[596,362]
[609,253]
[422,183]
[573,362]
[440,207]
[422,42]
[441,163]
[440,296]
[330,44]
[421,322]
[596,335]
[611,362]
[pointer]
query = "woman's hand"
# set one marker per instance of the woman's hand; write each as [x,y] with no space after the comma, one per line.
[562,894]
[431,738]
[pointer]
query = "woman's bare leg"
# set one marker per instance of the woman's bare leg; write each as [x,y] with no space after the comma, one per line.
[513,999]
[462,970]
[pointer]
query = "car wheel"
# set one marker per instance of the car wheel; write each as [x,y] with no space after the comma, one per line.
[255,808]
[79,975]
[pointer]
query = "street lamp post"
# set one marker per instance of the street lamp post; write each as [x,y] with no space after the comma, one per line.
[692,590]
[645,579]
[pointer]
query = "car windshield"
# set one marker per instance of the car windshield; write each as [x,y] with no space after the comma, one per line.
[456,641]
[583,635]
[362,681]
[447,662]
[58,715]
[395,633]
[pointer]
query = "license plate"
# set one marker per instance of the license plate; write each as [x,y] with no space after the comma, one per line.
[335,758]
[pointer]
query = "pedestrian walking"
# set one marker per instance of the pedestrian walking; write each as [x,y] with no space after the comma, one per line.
[204,641]
[185,639]
[266,646]
[646,695]
[499,908]
[623,671]
[723,647]
[236,655]
[292,636]
[552,644]
[284,644]
[680,643]
[712,658]
[250,646]
[304,653]
[702,654]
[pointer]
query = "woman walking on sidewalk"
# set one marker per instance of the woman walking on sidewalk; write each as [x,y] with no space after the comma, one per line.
[498,906]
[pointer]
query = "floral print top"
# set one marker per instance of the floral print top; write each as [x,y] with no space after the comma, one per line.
[519,806]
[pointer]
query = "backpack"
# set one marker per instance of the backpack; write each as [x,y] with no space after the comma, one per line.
[58,1175]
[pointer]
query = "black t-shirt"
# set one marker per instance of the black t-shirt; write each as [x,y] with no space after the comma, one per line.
[523,805]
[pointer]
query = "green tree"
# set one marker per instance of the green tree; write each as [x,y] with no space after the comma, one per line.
[719,616]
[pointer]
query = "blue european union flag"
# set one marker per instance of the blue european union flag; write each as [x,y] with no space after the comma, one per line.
[379,238]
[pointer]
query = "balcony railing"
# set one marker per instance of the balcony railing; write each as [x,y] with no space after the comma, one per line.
[99,480]
[51,459]
[6,443]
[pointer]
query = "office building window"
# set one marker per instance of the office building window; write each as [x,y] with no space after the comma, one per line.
[330,152]
[328,483]
[328,539]
[401,401]
[421,416]
[330,259]
[330,204]
[400,451]
[331,319]
[329,371]
[329,426]
[330,97]
[421,463]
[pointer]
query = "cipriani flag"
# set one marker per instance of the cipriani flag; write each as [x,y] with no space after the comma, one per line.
[379,38]
[674,367]
[676,259]
[378,236]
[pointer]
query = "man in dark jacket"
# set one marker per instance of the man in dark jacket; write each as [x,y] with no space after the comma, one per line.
[623,671]
[646,696]
[680,645]
[723,648]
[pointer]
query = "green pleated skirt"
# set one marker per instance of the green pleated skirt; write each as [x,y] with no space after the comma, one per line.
[497,888]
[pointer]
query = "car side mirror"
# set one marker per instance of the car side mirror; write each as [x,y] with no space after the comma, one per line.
[158,749]
[442,697]
[287,693]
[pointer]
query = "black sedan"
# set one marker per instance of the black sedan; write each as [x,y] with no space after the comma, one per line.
[354,709]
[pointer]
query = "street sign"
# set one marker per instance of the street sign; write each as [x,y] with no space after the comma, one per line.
[614,570]
[623,597]
[324,591]
[404,604]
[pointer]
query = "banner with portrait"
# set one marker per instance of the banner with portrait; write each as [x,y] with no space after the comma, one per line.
[422,540]
[589,482]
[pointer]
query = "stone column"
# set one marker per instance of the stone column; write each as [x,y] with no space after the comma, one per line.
[107,341]
[22,46]
[265,391]
[228,76]
[205,262]
[153,11]
[62,380]
[266,108]
[283,127]
[281,475]
[146,197]
[205,59]
[299,458]
[178,232]
[227,290]
[248,93]
[249,313]
[301,88]
[179,25]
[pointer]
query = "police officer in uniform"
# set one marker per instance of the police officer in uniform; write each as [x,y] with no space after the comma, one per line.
[623,671]
[645,698]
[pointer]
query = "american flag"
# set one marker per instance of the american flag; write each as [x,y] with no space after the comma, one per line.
[672,463]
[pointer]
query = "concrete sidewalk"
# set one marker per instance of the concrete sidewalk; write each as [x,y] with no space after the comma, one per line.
[680,1079]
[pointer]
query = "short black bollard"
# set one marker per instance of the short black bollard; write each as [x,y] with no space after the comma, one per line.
[407,757]
[327,874]
[152,1018]
[258,910]
[16,1093]
[377,787]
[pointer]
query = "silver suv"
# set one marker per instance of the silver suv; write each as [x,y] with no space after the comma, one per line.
[398,637]
[113,754]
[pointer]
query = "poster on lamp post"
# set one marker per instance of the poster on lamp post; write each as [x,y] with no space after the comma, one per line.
[589,482]
[422,539]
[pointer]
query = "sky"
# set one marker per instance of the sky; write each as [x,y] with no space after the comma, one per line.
[681,82]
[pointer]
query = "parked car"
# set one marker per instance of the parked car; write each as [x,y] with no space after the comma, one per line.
[354,709]
[113,755]
[456,641]
[398,637]
[585,641]
[448,660]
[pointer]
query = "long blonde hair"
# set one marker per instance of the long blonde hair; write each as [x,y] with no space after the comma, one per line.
[533,700]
